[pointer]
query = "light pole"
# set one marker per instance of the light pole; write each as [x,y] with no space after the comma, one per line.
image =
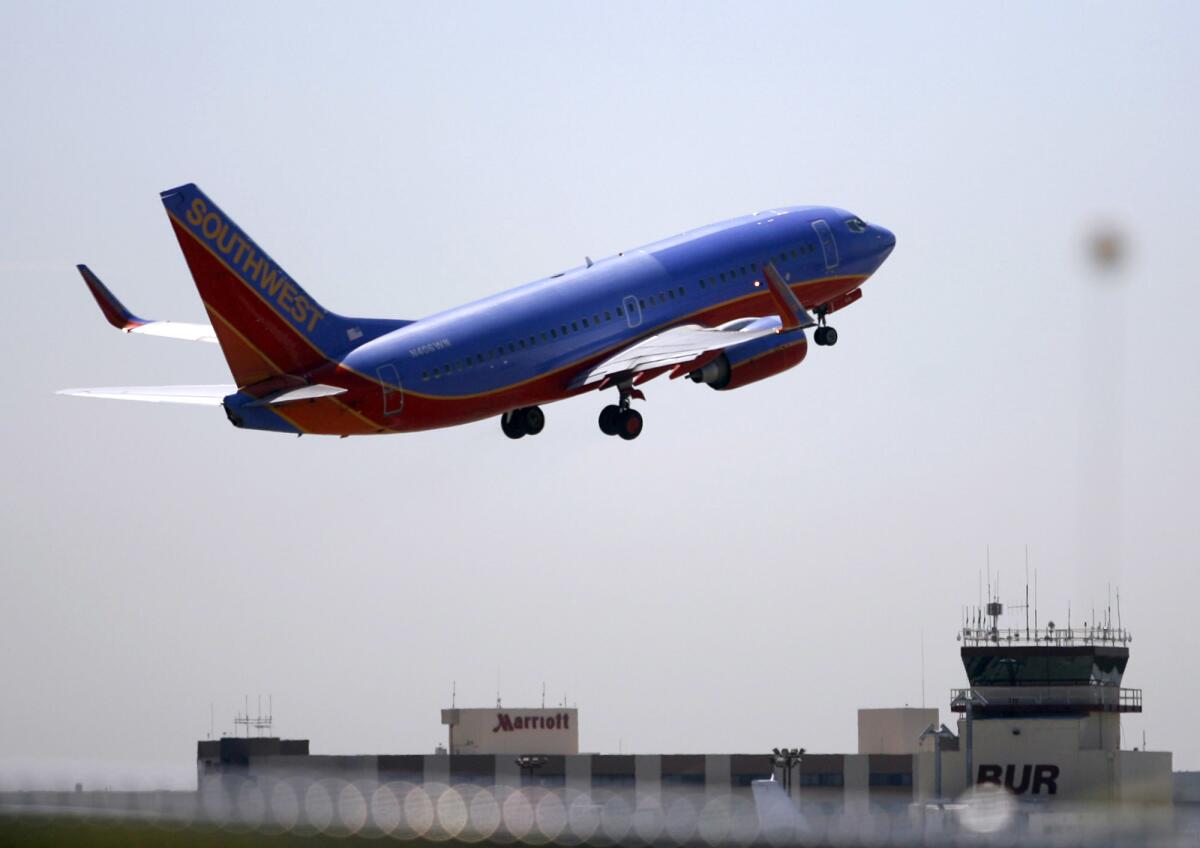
[528,763]
[938,734]
[786,758]
[968,699]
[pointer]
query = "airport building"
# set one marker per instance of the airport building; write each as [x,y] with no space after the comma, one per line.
[1040,716]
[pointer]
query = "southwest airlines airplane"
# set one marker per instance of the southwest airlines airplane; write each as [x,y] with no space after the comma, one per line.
[725,305]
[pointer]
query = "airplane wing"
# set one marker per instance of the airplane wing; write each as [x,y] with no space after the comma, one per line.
[685,345]
[126,321]
[691,346]
[200,395]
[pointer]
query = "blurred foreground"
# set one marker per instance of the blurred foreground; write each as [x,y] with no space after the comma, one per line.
[293,809]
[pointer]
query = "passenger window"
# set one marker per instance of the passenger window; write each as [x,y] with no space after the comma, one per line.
[554,334]
[712,281]
[681,291]
[424,375]
[662,297]
[607,315]
[722,276]
[596,318]
[793,253]
[522,343]
[544,339]
[575,326]
[754,267]
[620,312]
[643,303]
[532,341]
[564,329]
[585,323]
[701,282]
[783,257]
[671,293]
[743,270]
[512,348]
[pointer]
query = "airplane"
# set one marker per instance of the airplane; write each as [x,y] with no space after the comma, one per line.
[726,305]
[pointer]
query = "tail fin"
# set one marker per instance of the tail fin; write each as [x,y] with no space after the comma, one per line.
[266,323]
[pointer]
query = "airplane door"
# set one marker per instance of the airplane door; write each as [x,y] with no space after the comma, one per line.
[633,310]
[393,393]
[828,244]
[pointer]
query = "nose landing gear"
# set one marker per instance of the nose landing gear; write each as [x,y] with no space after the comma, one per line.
[527,421]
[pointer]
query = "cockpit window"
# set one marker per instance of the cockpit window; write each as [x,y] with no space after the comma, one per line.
[856,225]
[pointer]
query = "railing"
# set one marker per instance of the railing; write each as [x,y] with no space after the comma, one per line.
[1096,697]
[1045,636]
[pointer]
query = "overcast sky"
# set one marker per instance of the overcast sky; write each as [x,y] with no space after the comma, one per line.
[755,567]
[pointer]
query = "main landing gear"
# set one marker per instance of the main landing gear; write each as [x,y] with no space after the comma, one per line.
[527,421]
[620,419]
[824,336]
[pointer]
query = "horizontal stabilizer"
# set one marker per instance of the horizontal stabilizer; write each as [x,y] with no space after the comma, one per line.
[319,390]
[198,395]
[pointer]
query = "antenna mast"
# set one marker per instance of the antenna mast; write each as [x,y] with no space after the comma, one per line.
[1027,591]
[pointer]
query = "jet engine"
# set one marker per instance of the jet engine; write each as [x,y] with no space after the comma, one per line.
[748,363]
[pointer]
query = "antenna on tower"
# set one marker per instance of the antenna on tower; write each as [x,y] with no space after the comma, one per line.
[543,694]
[1118,608]
[922,668]
[989,573]
[453,692]
[1027,591]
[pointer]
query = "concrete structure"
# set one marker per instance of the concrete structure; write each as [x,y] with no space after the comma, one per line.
[505,730]
[895,731]
[1040,717]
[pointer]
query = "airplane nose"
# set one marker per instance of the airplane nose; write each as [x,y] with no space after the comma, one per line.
[887,239]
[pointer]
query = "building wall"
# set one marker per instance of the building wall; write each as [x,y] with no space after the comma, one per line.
[895,731]
[1051,759]
[505,730]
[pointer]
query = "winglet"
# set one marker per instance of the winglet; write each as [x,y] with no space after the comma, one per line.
[113,309]
[791,310]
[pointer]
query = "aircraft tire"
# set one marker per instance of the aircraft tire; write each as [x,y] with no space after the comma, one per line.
[532,420]
[629,424]
[830,336]
[608,419]
[511,424]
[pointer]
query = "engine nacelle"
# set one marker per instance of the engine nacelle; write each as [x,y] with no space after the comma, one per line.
[753,361]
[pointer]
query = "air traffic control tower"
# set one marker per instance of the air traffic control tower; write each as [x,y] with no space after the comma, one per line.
[1041,715]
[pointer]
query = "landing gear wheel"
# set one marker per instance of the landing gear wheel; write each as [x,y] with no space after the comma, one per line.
[510,423]
[532,419]
[609,417]
[629,424]
[825,336]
